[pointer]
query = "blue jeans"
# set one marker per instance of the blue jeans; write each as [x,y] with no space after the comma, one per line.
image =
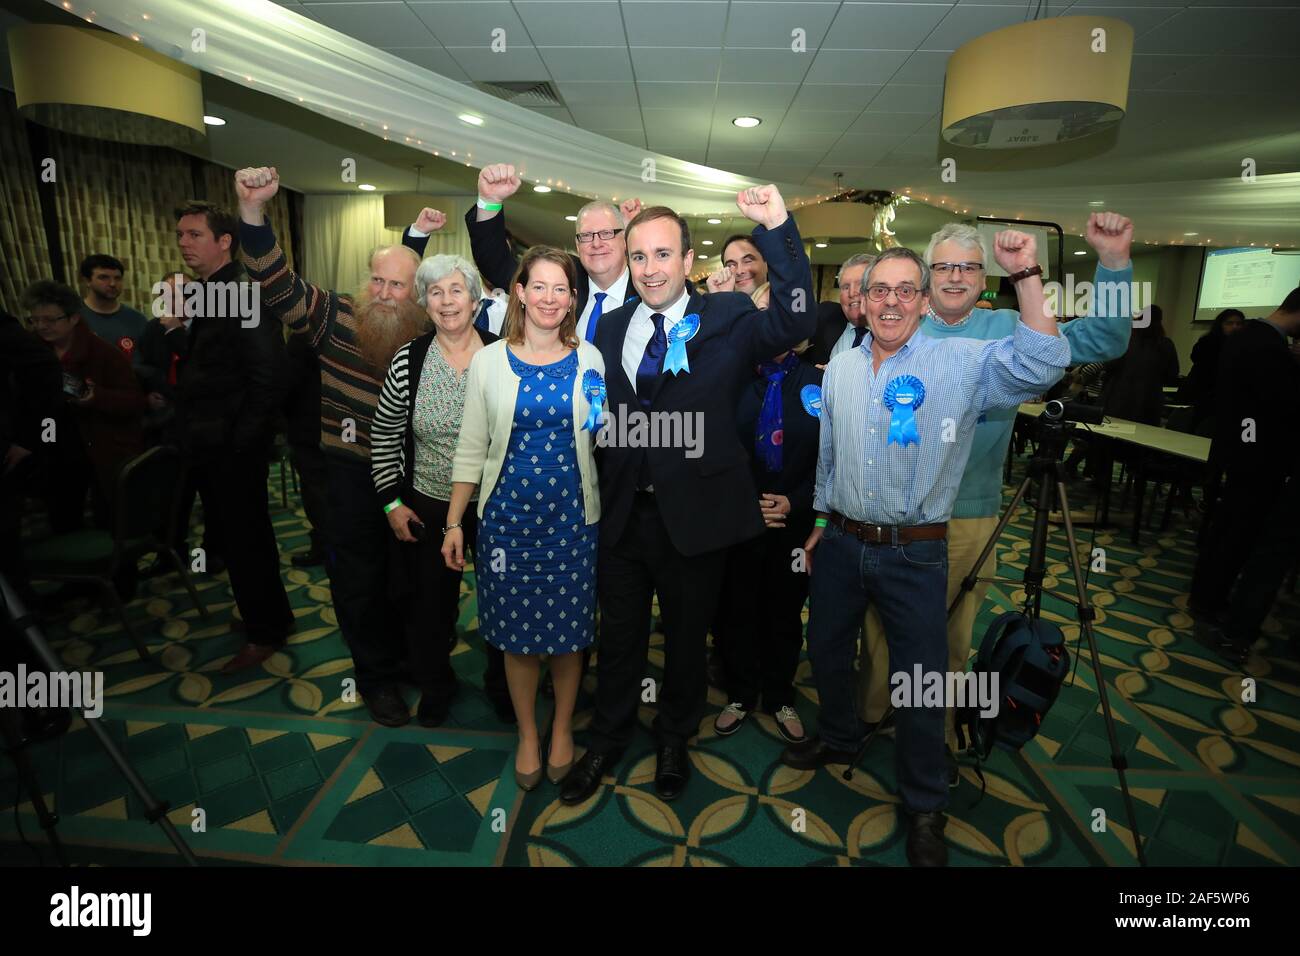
[907,585]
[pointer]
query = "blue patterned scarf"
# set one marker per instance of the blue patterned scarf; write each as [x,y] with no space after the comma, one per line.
[770,434]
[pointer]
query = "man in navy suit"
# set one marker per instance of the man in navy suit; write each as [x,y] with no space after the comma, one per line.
[668,514]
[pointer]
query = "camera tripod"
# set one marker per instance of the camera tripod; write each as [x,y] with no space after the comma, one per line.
[15,742]
[1055,427]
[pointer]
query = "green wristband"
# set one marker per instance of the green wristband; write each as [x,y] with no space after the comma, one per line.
[821,523]
[395,503]
[488,206]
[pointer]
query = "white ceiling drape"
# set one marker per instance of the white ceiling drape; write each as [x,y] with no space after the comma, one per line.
[270,49]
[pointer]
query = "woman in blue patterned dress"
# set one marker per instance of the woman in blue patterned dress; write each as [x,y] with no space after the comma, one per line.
[523,445]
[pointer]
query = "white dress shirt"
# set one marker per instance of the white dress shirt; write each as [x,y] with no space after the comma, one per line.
[616,295]
[640,330]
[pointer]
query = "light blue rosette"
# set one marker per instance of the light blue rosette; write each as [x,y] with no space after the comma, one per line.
[811,396]
[678,336]
[593,389]
[903,396]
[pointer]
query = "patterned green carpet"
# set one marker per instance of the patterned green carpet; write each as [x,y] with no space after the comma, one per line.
[286,772]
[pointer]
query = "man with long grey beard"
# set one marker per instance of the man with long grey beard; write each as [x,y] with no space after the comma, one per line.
[355,338]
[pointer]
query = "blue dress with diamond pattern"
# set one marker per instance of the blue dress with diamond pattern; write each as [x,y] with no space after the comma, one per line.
[534,525]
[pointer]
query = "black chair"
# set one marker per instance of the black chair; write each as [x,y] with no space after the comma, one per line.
[145,512]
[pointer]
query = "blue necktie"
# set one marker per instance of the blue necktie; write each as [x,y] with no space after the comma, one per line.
[858,335]
[595,316]
[482,321]
[652,362]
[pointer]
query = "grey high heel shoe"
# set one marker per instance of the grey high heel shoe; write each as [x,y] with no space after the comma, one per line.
[557,774]
[529,781]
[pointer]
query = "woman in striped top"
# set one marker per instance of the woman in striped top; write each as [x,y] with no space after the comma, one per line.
[413,441]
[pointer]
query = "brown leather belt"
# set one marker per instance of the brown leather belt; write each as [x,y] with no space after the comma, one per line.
[885,534]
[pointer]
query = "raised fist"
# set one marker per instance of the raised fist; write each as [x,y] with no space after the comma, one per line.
[1112,236]
[721,281]
[498,183]
[763,205]
[430,220]
[1015,251]
[254,186]
[629,208]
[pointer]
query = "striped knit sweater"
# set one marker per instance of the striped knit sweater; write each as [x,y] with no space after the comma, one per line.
[349,385]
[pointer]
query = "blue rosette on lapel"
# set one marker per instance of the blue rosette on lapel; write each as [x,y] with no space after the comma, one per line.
[811,397]
[593,389]
[903,396]
[681,333]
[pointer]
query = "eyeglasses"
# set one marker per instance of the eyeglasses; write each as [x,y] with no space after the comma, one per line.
[904,292]
[606,234]
[961,268]
[46,319]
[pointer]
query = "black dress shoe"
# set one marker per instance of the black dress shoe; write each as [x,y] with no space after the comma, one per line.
[584,779]
[671,770]
[308,558]
[434,708]
[814,753]
[387,707]
[925,846]
[954,772]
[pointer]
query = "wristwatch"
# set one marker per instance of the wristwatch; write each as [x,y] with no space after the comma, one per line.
[1025,274]
[450,527]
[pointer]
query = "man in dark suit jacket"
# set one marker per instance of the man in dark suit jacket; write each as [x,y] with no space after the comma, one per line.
[604,283]
[834,317]
[668,514]
[1251,540]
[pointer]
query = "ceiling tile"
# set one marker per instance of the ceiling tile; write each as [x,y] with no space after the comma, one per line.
[670,63]
[1141,19]
[561,22]
[598,94]
[726,136]
[554,112]
[668,122]
[719,155]
[902,98]
[820,96]
[432,58]
[763,100]
[855,67]
[785,174]
[926,67]
[861,148]
[1235,74]
[515,64]
[772,66]
[677,96]
[379,24]
[884,26]
[461,23]
[1225,30]
[606,117]
[677,23]
[1149,70]
[587,64]
[891,124]
[817,121]
[969,20]
[771,25]
[793,157]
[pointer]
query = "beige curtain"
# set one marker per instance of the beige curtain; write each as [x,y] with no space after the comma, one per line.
[24,253]
[339,233]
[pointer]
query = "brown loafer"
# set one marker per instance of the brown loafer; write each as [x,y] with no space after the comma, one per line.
[250,655]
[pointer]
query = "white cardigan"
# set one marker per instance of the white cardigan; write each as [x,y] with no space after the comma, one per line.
[490,397]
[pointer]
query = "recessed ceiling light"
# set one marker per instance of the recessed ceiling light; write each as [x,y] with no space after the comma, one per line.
[470,119]
[1097,202]
[701,257]
[1191,234]
[715,222]
[571,218]
[213,121]
[820,245]
[707,242]
[366,187]
[539,188]
[1081,252]
[746,122]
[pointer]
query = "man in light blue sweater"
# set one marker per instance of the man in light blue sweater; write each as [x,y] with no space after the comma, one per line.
[956,258]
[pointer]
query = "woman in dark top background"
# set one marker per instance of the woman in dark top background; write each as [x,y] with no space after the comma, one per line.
[1198,390]
[764,592]
[1134,381]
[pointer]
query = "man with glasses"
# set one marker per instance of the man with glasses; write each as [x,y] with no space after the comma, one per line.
[957,279]
[897,423]
[852,305]
[601,262]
